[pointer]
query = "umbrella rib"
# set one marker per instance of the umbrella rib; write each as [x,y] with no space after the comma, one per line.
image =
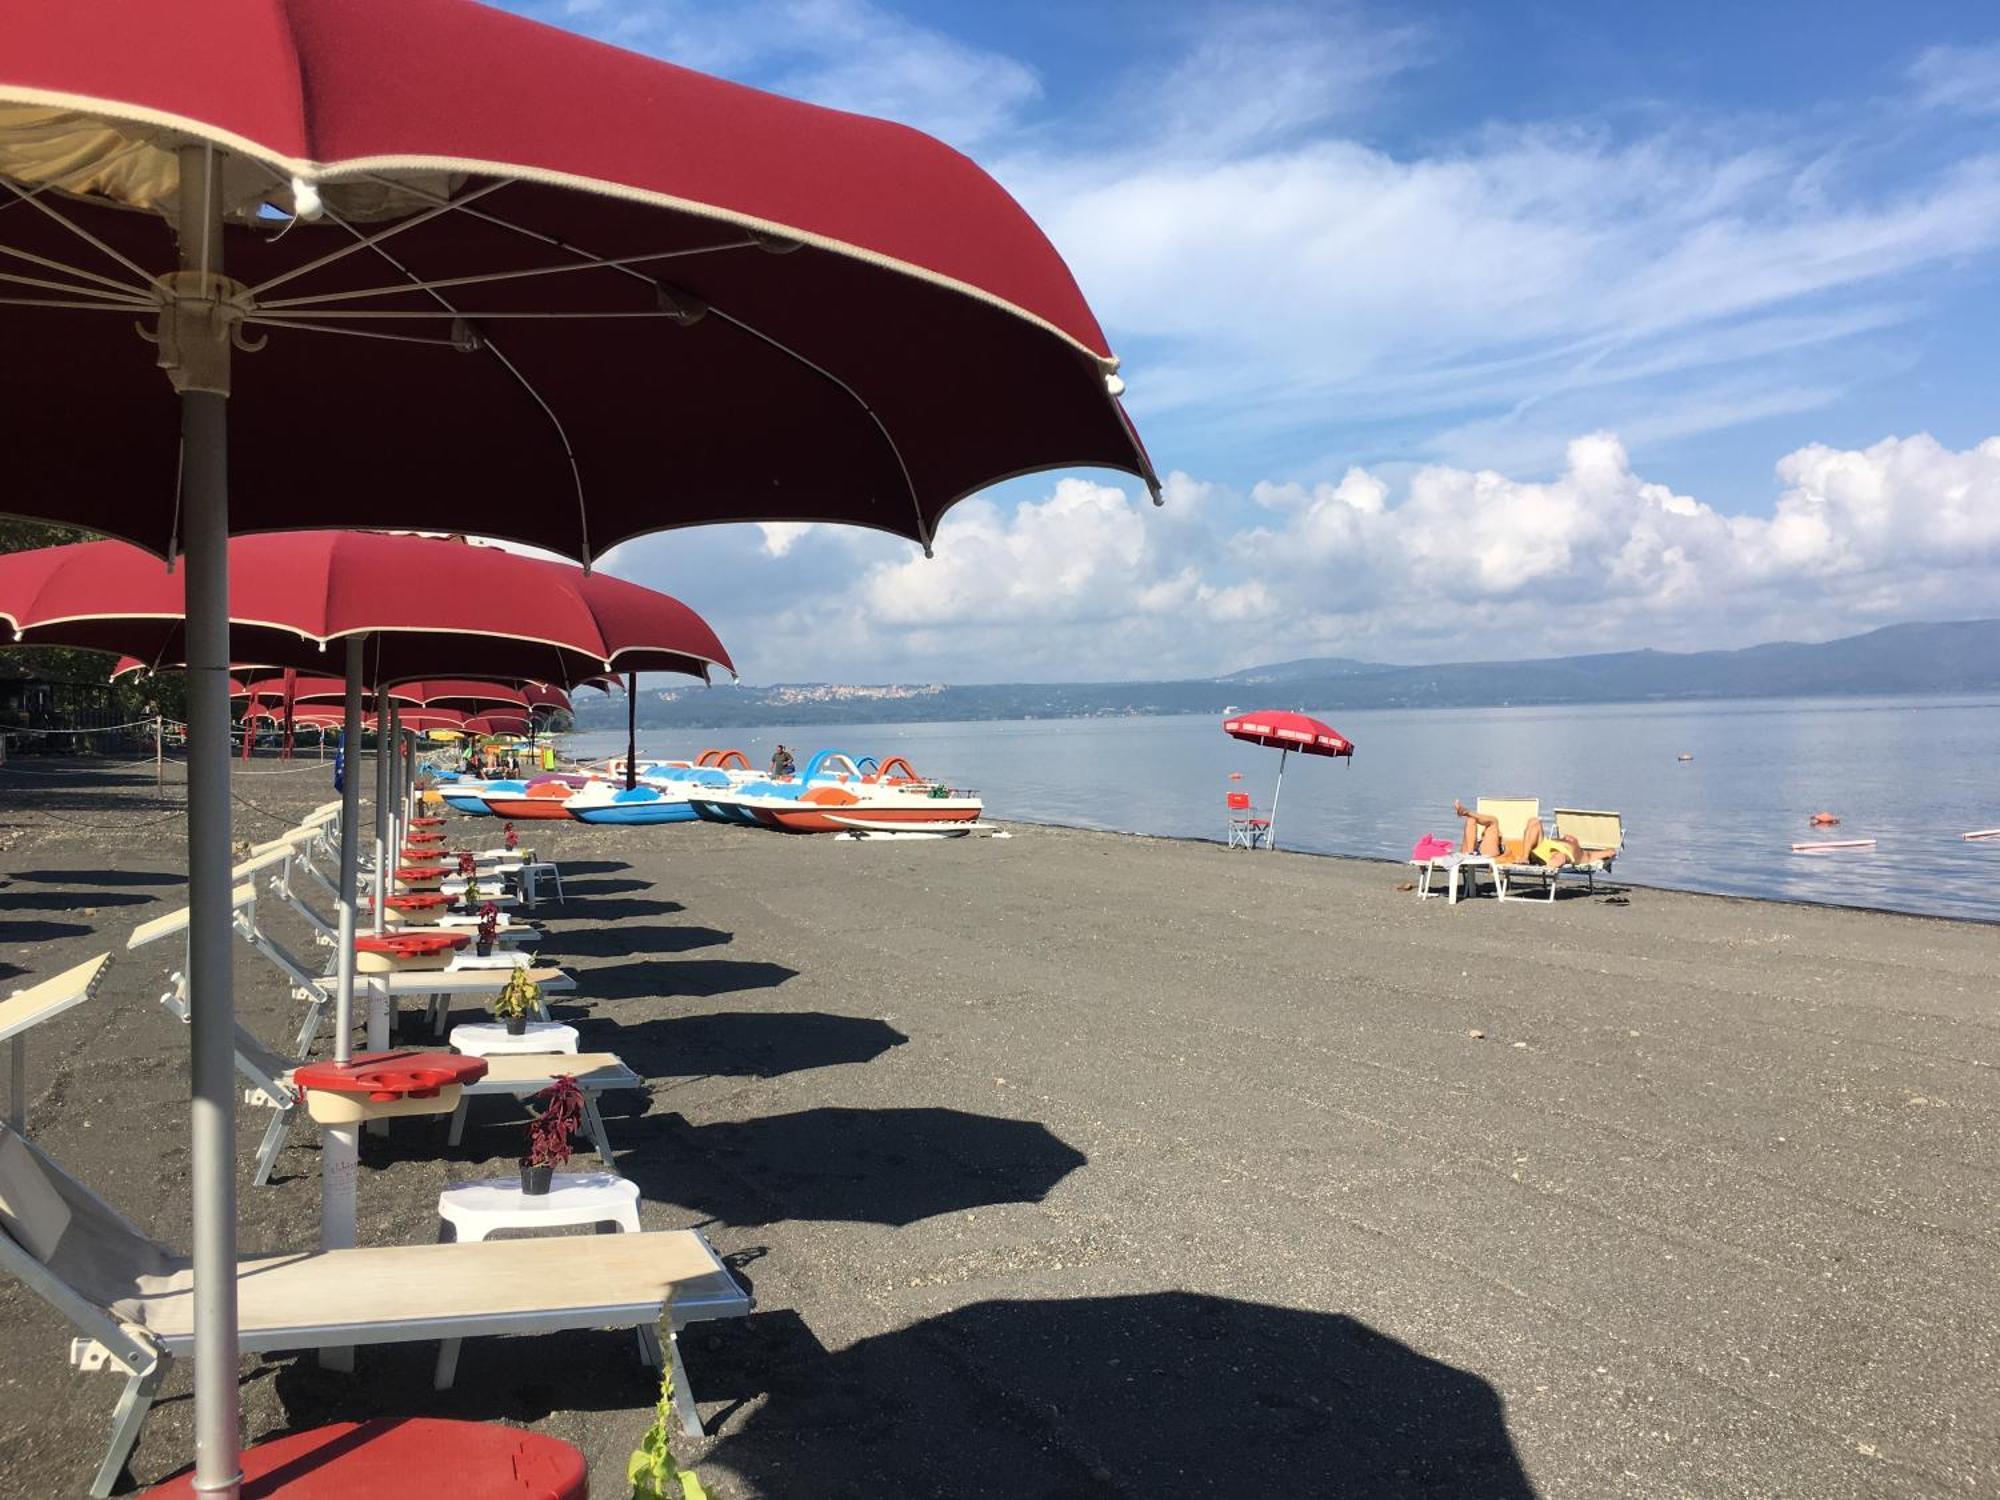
[374,241]
[534,234]
[127,308]
[562,435]
[297,326]
[923,530]
[108,283]
[131,299]
[409,314]
[592,260]
[34,201]
[488,278]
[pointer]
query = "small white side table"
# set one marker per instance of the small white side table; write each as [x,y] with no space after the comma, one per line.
[1460,869]
[491,1039]
[470,1211]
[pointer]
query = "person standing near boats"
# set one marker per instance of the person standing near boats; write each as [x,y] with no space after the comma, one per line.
[782,764]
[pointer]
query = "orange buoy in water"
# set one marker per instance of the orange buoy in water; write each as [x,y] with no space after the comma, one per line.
[1823,820]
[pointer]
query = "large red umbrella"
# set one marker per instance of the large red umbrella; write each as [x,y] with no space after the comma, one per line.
[429,608]
[428,251]
[1286,732]
[603,294]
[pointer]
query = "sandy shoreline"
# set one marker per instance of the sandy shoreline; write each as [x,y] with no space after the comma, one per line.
[1095,1164]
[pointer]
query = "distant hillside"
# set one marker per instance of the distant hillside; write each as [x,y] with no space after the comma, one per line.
[1959,657]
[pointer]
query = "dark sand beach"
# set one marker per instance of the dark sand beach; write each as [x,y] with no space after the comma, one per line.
[1084,1165]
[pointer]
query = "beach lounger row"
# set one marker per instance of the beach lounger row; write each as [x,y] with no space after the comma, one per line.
[129,1297]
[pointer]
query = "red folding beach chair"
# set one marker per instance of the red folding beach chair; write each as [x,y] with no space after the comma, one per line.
[1246,829]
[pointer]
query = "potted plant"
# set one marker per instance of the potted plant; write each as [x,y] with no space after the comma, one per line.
[489,928]
[519,998]
[549,1131]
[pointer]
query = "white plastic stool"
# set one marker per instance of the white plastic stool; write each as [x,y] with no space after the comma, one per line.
[530,883]
[492,1039]
[470,1211]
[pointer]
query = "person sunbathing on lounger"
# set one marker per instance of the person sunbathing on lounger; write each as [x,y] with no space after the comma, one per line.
[1534,846]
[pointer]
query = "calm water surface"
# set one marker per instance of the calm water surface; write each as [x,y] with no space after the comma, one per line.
[1910,773]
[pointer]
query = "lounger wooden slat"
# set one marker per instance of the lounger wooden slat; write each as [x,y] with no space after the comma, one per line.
[51,997]
[435,1291]
[177,921]
[131,1298]
[28,1008]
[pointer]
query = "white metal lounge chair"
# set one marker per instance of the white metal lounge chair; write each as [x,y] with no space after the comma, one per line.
[131,1299]
[520,1076]
[1591,830]
[27,1008]
[1461,871]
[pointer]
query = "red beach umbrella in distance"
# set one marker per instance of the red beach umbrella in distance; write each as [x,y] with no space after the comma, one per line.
[1281,730]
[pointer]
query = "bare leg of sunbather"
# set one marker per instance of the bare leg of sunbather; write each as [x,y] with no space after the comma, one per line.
[1482,832]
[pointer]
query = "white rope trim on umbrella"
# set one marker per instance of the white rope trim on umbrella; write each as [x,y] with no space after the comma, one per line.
[321,172]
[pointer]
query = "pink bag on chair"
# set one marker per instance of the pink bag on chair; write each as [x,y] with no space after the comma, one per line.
[1430,846]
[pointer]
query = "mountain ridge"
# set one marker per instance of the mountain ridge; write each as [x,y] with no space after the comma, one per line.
[1958,656]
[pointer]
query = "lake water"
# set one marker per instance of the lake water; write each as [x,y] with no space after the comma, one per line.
[1910,773]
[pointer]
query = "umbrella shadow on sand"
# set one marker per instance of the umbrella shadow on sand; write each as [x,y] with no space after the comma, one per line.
[1165,1393]
[702,978]
[628,940]
[875,1166]
[745,1044]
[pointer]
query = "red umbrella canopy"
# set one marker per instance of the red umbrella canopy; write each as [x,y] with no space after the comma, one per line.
[1278,729]
[429,607]
[465,695]
[553,250]
[316,690]
[499,722]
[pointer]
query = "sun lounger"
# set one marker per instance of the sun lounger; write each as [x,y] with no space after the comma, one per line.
[131,1298]
[1591,830]
[27,1008]
[477,977]
[520,1076]
[286,884]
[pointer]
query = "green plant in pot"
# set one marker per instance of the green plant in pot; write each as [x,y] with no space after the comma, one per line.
[519,998]
[550,1130]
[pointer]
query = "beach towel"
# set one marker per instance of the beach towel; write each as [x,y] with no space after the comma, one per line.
[1430,847]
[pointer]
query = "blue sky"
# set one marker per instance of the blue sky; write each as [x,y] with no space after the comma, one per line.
[1464,328]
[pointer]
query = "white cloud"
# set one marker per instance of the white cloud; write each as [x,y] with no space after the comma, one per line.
[1966,79]
[781,536]
[1280,287]
[1089,580]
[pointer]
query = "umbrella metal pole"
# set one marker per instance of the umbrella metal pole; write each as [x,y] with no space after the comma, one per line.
[381,805]
[340,1145]
[205,537]
[1282,754]
[631,730]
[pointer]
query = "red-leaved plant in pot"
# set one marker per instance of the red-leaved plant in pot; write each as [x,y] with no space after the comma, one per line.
[489,928]
[549,1131]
